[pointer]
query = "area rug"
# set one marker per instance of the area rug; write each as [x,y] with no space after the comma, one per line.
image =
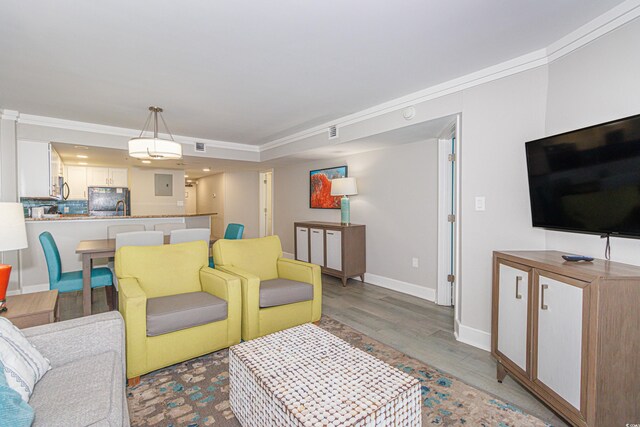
[195,393]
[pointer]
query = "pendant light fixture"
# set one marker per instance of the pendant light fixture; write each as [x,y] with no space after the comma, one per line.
[154,148]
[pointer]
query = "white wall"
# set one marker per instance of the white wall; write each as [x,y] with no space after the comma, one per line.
[397,200]
[210,199]
[595,84]
[242,201]
[143,196]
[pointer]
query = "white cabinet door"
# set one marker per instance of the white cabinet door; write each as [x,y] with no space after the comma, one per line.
[317,246]
[34,169]
[76,179]
[334,249]
[302,244]
[513,297]
[118,177]
[98,177]
[560,338]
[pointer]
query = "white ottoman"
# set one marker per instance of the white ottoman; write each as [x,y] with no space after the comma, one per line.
[305,376]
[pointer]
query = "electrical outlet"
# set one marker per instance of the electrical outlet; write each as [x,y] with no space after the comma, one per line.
[480,203]
[180,203]
[415,262]
[65,209]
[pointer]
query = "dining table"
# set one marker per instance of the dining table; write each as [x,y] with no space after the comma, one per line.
[97,249]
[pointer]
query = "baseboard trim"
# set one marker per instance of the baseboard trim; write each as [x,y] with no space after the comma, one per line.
[30,289]
[472,336]
[288,255]
[400,286]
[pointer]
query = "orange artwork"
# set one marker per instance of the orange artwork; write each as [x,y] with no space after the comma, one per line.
[320,188]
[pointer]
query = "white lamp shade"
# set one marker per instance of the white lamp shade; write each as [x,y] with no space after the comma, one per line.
[344,187]
[154,148]
[13,234]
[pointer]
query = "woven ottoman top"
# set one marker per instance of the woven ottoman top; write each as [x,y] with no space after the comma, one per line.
[317,375]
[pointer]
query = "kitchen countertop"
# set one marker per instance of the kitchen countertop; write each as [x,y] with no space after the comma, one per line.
[87,217]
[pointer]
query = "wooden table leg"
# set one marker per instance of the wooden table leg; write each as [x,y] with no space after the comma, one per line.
[86,284]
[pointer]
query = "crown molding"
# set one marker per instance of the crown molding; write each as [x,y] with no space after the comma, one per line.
[598,27]
[29,119]
[9,115]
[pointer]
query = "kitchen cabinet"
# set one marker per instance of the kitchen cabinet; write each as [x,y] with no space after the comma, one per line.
[568,333]
[76,179]
[340,250]
[107,177]
[39,170]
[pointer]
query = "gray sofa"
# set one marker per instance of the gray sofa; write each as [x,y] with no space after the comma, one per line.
[86,385]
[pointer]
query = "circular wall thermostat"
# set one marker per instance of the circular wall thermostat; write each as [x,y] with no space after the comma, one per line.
[409,113]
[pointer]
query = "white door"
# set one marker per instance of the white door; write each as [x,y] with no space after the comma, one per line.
[118,177]
[513,296]
[317,246]
[334,249]
[560,338]
[98,177]
[302,244]
[76,179]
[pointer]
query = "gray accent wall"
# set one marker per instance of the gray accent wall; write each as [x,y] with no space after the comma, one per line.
[397,200]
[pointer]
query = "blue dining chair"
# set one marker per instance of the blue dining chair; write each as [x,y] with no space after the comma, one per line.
[233,232]
[72,280]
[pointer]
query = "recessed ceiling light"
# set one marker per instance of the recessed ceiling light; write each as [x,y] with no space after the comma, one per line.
[189,180]
[82,156]
[206,170]
[80,147]
[146,162]
[82,163]
[186,176]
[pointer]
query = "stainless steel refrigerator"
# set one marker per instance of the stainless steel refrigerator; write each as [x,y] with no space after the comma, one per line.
[109,201]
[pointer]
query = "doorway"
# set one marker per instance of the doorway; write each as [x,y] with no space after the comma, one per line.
[266,203]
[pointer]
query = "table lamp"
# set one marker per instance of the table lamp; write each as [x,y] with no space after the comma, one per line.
[344,187]
[13,236]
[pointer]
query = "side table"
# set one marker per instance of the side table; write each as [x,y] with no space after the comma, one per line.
[34,309]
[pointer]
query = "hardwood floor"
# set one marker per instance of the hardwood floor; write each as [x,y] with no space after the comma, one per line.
[418,328]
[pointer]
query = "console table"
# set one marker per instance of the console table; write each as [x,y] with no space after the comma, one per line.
[340,250]
[568,331]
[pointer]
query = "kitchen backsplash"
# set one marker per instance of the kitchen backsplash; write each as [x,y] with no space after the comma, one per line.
[71,207]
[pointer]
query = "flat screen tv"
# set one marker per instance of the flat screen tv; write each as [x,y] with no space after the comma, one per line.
[587,180]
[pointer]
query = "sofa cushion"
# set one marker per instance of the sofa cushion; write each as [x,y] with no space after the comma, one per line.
[83,392]
[175,312]
[283,291]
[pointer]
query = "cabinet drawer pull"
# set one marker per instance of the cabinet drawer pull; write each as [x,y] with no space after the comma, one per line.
[330,234]
[316,232]
[303,230]
[518,279]
[543,306]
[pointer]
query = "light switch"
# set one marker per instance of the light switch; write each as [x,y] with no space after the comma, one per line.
[180,203]
[415,262]
[480,203]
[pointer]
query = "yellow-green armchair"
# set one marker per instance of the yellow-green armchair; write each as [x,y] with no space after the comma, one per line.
[277,293]
[174,306]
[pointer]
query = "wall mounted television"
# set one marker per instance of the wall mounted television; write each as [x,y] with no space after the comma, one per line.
[587,180]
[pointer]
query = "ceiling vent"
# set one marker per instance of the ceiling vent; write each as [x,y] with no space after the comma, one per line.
[333,132]
[200,148]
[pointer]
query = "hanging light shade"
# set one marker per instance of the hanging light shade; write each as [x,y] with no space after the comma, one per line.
[154,147]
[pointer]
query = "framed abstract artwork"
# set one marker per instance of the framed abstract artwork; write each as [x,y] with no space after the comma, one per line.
[320,187]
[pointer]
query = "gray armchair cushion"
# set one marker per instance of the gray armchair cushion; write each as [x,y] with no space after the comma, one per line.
[283,291]
[176,312]
[79,394]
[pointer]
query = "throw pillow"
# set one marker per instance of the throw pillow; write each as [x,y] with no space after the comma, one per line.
[15,411]
[23,363]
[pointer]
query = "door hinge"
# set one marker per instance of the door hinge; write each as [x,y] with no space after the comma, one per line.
[451,218]
[451,157]
[451,278]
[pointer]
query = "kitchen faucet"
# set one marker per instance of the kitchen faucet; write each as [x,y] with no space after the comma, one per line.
[124,207]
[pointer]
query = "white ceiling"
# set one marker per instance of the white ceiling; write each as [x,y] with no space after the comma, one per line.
[251,72]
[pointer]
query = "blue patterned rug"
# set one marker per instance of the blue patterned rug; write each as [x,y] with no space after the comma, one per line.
[195,393]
